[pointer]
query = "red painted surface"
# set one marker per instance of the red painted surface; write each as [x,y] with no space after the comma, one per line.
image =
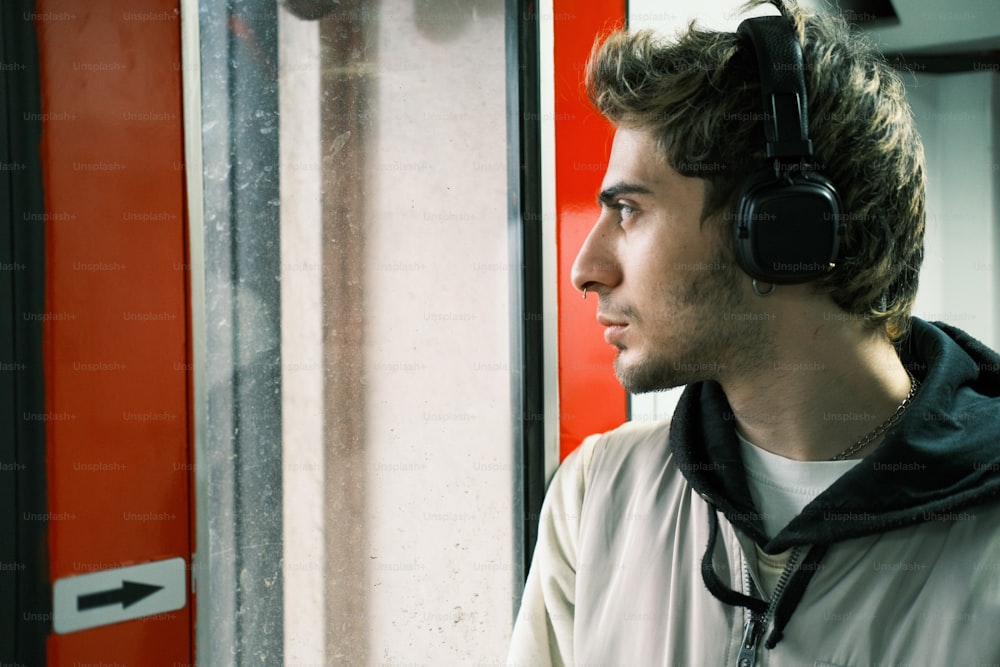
[116,331]
[590,398]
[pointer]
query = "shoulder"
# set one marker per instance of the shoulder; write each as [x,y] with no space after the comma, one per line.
[633,444]
[607,463]
[618,462]
[603,457]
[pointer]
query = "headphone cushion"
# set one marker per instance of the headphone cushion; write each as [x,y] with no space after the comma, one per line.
[787,230]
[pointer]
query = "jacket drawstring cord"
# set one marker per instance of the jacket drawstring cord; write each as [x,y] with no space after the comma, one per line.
[786,604]
[793,593]
[715,586]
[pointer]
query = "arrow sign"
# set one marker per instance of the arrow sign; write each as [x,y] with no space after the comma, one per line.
[130,593]
[119,594]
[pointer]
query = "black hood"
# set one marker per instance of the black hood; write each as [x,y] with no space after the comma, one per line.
[940,459]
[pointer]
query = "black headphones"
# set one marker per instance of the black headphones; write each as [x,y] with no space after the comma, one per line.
[788,222]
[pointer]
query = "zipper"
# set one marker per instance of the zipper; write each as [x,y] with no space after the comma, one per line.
[752,632]
[755,624]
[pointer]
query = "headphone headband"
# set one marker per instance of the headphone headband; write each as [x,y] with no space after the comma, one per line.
[782,86]
[788,225]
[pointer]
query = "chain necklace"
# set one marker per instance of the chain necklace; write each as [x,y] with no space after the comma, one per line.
[877,432]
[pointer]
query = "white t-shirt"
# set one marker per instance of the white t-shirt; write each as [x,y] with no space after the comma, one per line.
[781,487]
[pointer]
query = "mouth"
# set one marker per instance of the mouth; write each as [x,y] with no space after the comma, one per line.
[613,330]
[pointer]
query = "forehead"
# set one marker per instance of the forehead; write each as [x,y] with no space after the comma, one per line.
[634,155]
[637,159]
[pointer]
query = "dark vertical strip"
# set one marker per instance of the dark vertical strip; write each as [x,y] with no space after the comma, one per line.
[25,603]
[524,220]
[347,38]
[8,321]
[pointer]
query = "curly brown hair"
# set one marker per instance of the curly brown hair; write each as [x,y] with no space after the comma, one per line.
[700,95]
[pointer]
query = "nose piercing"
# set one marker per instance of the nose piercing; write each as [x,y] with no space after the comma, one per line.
[584,293]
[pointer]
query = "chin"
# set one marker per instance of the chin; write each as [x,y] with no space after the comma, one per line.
[644,376]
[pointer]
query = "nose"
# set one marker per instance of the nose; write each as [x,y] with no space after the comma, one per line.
[596,264]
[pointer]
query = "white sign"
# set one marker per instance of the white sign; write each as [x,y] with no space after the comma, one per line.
[121,594]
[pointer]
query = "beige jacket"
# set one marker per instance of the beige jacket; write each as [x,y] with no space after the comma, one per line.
[617,580]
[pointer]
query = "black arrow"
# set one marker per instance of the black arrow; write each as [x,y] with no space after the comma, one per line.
[127,595]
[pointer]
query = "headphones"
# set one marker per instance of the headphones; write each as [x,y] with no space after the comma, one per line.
[788,221]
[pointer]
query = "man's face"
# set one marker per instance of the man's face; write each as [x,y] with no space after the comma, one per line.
[670,296]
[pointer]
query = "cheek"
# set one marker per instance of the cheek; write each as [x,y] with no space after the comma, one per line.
[651,258]
[665,269]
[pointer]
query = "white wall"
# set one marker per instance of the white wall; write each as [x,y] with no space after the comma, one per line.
[436,390]
[956,116]
[437,326]
[301,341]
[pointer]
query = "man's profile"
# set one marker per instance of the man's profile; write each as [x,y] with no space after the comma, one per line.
[828,489]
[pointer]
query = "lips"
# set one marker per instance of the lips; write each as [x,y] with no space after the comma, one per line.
[613,329]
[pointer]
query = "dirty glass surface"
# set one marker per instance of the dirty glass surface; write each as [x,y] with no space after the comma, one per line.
[356,461]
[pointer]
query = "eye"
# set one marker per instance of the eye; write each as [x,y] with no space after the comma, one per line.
[625,212]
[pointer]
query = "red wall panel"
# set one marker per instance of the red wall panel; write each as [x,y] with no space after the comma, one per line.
[116,329]
[590,398]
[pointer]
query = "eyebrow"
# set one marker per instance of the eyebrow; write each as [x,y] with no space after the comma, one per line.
[608,195]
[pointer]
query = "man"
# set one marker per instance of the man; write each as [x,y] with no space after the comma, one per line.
[827,490]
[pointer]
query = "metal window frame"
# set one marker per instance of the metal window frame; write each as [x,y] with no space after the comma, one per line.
[237,419]
[527,293]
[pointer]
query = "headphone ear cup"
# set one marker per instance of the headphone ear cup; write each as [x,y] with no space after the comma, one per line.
[744,229]
[787,229]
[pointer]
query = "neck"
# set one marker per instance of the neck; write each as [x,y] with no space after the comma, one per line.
[819,392]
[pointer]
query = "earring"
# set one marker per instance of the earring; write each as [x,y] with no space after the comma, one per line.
[756,289]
